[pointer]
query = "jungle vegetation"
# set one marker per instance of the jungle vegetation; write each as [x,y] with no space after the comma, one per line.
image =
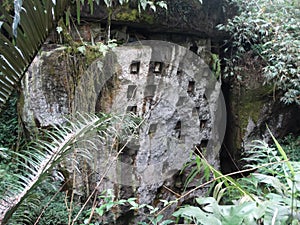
[31,193]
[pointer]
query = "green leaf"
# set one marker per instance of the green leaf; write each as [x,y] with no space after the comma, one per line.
[283,154]
[100,210]
[166,222]
[195,213]
[162,4]
[45,153]
[78,11]
[91,3]
[82,49]
[59,29]
[107,3]
[18,8]
[134,204]
[28,37]
[271,181]
[218,191]
[143,4]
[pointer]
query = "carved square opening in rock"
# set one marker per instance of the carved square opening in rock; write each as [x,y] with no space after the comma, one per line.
[158,66]
[149,91]
[179,72]
[191,87]
[194,48]
[131,91]
[132,109]
[204,143]
[200,148]
[152,128]
[135,67]
[196,111]
[177,129]
[203,123]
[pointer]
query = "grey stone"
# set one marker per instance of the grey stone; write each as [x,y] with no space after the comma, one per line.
[164,99]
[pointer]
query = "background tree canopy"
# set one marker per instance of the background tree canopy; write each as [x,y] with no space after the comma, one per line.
[269,31]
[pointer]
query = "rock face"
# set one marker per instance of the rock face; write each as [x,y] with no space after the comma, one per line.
[47,89]
[170,88]
[189,17]
[251,107]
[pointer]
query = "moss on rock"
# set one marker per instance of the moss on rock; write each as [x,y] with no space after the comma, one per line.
[129,15]
[251,103]
[132,15]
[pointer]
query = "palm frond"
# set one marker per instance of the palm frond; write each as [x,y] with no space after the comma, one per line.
[21,40]
[42,155]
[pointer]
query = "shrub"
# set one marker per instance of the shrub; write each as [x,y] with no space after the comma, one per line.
[269,32]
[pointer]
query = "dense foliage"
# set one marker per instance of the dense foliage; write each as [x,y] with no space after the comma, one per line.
[36,160]
[269,195]
[269,32]
[9,125]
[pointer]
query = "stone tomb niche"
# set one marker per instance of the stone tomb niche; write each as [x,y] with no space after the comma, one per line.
[135,67]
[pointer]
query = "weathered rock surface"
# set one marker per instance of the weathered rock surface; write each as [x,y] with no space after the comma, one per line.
[188,17]
[251,107]
[166,85]
[46,89]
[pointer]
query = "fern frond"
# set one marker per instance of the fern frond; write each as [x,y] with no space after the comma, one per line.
[42,155]
[21,40]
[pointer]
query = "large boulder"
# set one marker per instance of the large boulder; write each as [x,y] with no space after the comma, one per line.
[167,86]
